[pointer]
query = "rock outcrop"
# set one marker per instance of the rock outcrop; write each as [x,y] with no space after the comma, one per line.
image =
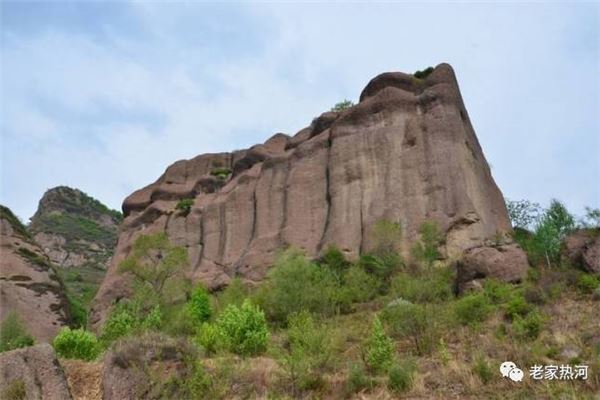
[32,373]
[75,229]
[506,262]
[406,153]
[582,249]
[29,286]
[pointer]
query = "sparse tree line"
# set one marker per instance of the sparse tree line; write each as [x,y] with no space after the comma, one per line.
[291,316]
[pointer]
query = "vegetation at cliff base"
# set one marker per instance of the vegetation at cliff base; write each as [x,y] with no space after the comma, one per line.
[13,334]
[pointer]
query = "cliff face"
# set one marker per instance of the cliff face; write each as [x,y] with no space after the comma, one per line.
[406,153]
[74,229]
[29,286]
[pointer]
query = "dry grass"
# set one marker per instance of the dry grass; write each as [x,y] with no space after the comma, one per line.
[84,379]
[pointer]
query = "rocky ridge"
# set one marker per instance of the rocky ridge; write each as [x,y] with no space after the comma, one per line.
[407,153]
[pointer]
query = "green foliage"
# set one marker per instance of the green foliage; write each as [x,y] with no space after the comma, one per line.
[34,258]
[497,292]
[472,309]
[517,306]
[426,249]
[523,213]
[422,74]
[357,286]
[379,349]
[297,284]
[235,293]
[243,329]
[78,312]
[334,259]
[484,370]
[387,236]
[157,267]
[208,337]
[14,221]
[591,219]
[528,327]
[185,206]
[555,224]
[400,376]
[308,351]
[13,334]
[358,379]
[221,172]
[342,105]
[416,322]
[587,283]
[119,323]
[432,285]
[75,227]
[76,343]
[382,266]
[199,305]
[15,390]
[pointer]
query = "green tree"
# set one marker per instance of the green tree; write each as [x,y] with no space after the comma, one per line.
[379,348]
[199,305]
[555,224]
[523,213]
[243,329]
[426,249]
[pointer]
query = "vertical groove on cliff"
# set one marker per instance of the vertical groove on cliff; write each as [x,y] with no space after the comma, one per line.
[327,192]
[285,205]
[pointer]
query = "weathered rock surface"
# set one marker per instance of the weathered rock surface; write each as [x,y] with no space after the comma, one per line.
[28,284]
[582,249]
[507,263]
[35,369]
[407,152]
[75,229]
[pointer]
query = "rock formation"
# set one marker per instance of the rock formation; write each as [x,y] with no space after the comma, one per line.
[406,152]
[582,249]
[29,286]
[32,373]
[74,229]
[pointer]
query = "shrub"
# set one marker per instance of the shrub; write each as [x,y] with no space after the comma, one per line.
[517,306]
[472,309]
[358,379]
[199,305]
[426,249]
[379,349]
[587,283]
[221,172]
[342,105]
[528,327]
[415,322]
[387,236]
[422,74]
[78,312]
[433,285]
[243,329]
[357,286]
[296,284]
[235,293]
[208,337]
[334,259]
[484,370]
[400,376]
[382,266]
[76,343]
[13,334]
[185,206]
[497,292]
[119,323]
[308,351]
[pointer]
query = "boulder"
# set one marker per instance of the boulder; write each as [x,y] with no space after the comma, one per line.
[582,249]
[406,153]
[32,373]
[507,263]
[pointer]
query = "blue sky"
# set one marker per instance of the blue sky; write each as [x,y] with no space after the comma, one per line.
[103,96]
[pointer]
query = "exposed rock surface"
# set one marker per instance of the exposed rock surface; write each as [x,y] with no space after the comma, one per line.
[507,263]
[74,229]
[36,370]
[582,249]
[407,152]
[29,286]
